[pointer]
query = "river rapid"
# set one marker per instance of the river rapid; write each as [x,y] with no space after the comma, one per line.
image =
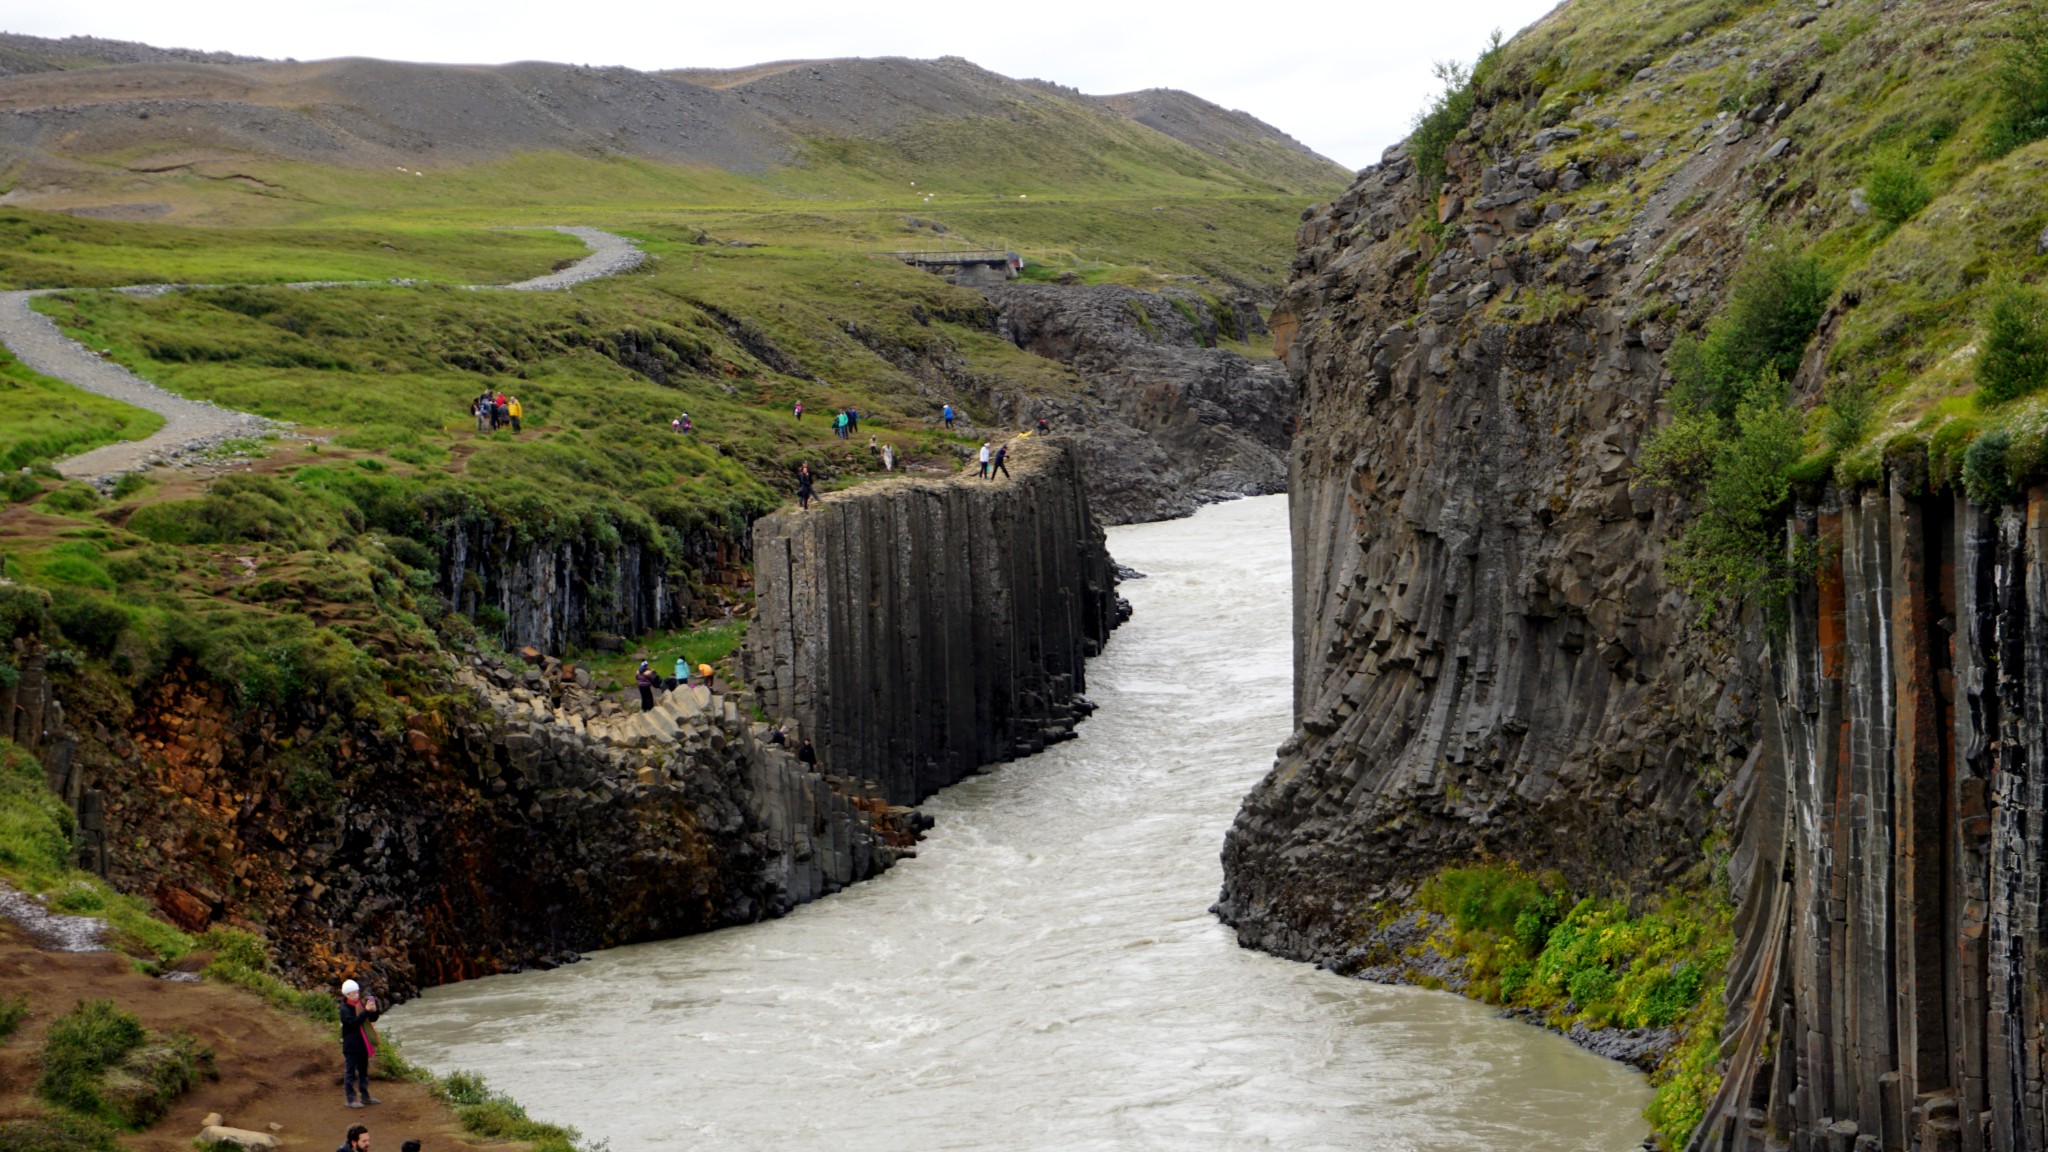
[1046,976]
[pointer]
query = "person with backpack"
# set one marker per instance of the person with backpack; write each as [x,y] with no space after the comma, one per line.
[358,1013]
[799,410]
[500,415]
[852,421]
[996,465]
[481,409]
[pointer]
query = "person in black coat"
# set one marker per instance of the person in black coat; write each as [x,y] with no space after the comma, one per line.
[357,1011]
[646,678]
[807,755]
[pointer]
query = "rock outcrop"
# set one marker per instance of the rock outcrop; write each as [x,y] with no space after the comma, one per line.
[534,822]
[1169,420]
[917,630]
[1488,658]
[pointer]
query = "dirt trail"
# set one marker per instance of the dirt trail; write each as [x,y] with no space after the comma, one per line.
[274,1068]
[194,427]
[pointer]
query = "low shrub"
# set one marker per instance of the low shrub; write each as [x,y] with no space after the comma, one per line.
[2013,358]
[1896,189]
[2021,115]
[79,1048]
[1774,303]
[144,1085]
[13,1010]
[1595,963]
[494,1115]
[57,1133]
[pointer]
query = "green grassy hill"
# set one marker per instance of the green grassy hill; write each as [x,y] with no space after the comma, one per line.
[315,567]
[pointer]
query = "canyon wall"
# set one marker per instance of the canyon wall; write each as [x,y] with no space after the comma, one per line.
[1489,661]
[520,822]
[1170,418]
[1886,991]
[916,630]
[1493,662]
[562,592]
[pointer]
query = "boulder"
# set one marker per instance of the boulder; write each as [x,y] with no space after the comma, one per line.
[239,1137]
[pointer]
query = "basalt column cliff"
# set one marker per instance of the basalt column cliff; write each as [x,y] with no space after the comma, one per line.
[919,629]
[1499,655]
[1488,660]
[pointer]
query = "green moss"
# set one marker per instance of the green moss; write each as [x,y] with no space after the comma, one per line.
[243,960]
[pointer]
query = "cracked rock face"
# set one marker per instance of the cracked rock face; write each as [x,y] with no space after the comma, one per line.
[1170,420]
[1489,662]
[917,630]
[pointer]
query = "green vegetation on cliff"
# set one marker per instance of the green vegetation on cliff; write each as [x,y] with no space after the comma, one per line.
[1528,943]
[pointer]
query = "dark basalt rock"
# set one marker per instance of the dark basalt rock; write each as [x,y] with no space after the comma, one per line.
[918,630]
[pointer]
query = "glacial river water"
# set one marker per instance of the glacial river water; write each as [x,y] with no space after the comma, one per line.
[1046,976]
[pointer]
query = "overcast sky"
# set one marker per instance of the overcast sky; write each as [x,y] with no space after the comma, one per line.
[1342,78]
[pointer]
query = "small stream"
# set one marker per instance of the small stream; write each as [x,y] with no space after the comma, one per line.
[1046,977]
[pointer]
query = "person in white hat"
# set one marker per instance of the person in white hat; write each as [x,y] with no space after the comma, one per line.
[357,1013]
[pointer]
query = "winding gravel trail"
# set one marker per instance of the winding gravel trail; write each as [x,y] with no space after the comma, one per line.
[194,427]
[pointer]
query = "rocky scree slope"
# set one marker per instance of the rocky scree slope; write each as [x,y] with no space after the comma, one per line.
[1168,419]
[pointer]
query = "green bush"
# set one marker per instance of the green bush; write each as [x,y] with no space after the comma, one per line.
[1733,549]
[1896,189]
[2013,358]
[2021,115]
[79,1048]
[13,1010]
[1773,305]
[1447,115]
[1986,479]
[144,1085]
[92,620]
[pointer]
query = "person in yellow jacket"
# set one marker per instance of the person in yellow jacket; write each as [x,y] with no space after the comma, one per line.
[514,410]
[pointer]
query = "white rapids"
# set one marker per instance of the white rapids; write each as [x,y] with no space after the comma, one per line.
[1046,976]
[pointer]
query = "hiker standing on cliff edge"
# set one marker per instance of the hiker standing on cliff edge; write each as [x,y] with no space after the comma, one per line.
[357,1012]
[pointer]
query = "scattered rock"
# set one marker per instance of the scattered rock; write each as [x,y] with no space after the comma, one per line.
[240,1137]
[1778,148]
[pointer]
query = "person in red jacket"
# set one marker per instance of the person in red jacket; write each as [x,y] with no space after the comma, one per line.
[357,1012]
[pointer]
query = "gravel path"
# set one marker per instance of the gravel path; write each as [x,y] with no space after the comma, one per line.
[51,931]
[194,427]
